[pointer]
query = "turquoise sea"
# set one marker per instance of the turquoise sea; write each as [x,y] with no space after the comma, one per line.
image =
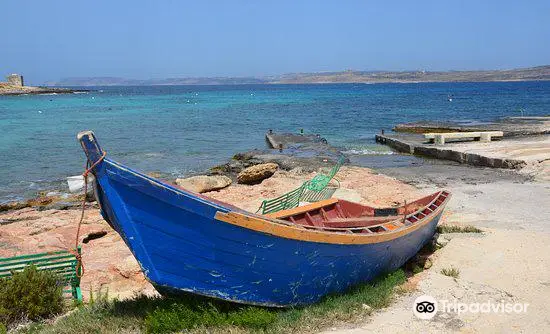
[179,130]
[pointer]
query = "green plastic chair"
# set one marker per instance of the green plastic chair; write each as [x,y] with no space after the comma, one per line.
[321,181]
[286,201]
[311,196]
[317,189]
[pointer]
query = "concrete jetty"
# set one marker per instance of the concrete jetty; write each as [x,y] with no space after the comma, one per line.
[414,144]
[526,141]
[286,140]
[309,152]
[511,126]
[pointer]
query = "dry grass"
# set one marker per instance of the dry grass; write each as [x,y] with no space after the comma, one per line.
[451,272]
[458,229]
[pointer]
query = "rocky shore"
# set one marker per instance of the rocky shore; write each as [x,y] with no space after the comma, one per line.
[508,261]
[29,90]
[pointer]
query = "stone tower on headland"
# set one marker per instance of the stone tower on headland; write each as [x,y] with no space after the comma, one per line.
[15,80]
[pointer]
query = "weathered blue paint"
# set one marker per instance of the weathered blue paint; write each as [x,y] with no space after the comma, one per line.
[181,246]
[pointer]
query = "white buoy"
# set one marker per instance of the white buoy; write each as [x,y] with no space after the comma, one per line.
[76,183]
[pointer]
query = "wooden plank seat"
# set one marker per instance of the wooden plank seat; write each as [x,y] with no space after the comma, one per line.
[440,138]
[337,215]
[63,263]
[359,221]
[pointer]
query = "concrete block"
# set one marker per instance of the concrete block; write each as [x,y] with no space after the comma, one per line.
[439,139]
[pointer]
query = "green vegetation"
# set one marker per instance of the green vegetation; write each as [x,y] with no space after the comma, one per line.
[416,269]
[100,297]
[458,229]
[166,315]
[451,272]
[30,294]
[179,316]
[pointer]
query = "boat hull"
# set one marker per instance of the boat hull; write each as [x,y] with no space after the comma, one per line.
[184,242]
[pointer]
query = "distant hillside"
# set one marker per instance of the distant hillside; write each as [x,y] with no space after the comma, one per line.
[113,81]
[525,74]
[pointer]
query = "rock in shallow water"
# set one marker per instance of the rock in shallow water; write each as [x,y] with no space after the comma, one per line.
[255,174]
[203,183]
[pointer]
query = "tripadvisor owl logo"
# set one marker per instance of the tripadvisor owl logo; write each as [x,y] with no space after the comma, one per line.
[425,307]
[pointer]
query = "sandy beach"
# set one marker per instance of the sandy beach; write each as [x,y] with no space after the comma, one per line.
[507,262]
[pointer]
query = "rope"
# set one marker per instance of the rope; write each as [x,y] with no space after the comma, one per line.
[79,265]
[405,213]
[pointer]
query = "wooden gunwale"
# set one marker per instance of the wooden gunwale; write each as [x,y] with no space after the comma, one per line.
[315,234]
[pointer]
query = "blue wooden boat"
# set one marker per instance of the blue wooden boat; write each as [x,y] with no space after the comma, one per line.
[187,242]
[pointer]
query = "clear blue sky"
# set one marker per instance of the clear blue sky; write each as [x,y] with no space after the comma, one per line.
[49,40]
